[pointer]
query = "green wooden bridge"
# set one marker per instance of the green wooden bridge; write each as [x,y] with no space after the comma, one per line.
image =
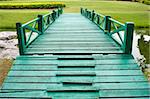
[75,56]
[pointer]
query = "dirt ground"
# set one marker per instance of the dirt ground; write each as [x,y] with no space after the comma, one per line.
[5,65]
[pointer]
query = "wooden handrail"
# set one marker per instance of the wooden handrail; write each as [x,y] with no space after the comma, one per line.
[111,27]
[38,26]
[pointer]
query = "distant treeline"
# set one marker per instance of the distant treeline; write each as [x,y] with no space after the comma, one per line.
[32,5]
[141,1]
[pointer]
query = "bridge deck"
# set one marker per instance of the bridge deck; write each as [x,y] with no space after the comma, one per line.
[92,75]
[73,33]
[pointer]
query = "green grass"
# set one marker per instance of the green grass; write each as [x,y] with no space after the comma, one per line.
[122,11]
[10,17]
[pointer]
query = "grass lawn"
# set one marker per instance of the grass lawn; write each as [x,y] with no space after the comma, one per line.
[122,11]
[10,17]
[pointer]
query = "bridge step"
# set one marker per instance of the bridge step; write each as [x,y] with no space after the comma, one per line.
[86,76]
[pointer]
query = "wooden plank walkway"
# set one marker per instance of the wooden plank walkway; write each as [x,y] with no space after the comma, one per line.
[75,59]
[73,33]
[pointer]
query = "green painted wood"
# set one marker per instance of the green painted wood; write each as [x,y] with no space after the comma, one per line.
[54,95]
[80,73]
[25,94]
[99,69]
[128,37]
[95,56]
[70,32]
[74,52]
[20,38]
[75,44]
[73,68]
[69,62]
[114,86]
[28,86]
[125,93]
[102,79]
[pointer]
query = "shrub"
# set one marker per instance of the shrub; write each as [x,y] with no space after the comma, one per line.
[32,5]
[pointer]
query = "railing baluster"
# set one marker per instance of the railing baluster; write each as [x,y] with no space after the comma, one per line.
[107,24]
[92,16]
[48,19]
[128,38]
[25,40]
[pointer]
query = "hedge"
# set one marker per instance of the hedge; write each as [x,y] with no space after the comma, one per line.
[32,5]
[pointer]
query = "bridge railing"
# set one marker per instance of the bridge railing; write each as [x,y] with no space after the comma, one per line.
[121,33]
[31,30]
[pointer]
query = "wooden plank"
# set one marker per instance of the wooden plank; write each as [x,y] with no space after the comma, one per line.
[66,34]
[75,46]
[101,79]
[57,48]
[75,52]
[28,86]
[74,32]
[98,73]
[124,86]
[116,61]
[32,73]
[134,94]
[73,68]
[73,39]
[117,67]
[25,94]
[54,95]
[67,43]
[34,68]
[97,62]
[112,56]
[95,56]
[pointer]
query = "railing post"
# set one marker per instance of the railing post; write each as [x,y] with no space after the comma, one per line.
[98,19]
[40,24]
[54,15]
[90,15]
[21,38]
[128,38]
[93,15]
[61,10]
[81,10]
[86,12]
[58,12]
[107,27]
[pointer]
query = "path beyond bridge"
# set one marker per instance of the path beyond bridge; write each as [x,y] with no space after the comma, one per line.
[75,56]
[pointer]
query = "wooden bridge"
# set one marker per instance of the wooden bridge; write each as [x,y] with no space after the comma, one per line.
[75,56]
